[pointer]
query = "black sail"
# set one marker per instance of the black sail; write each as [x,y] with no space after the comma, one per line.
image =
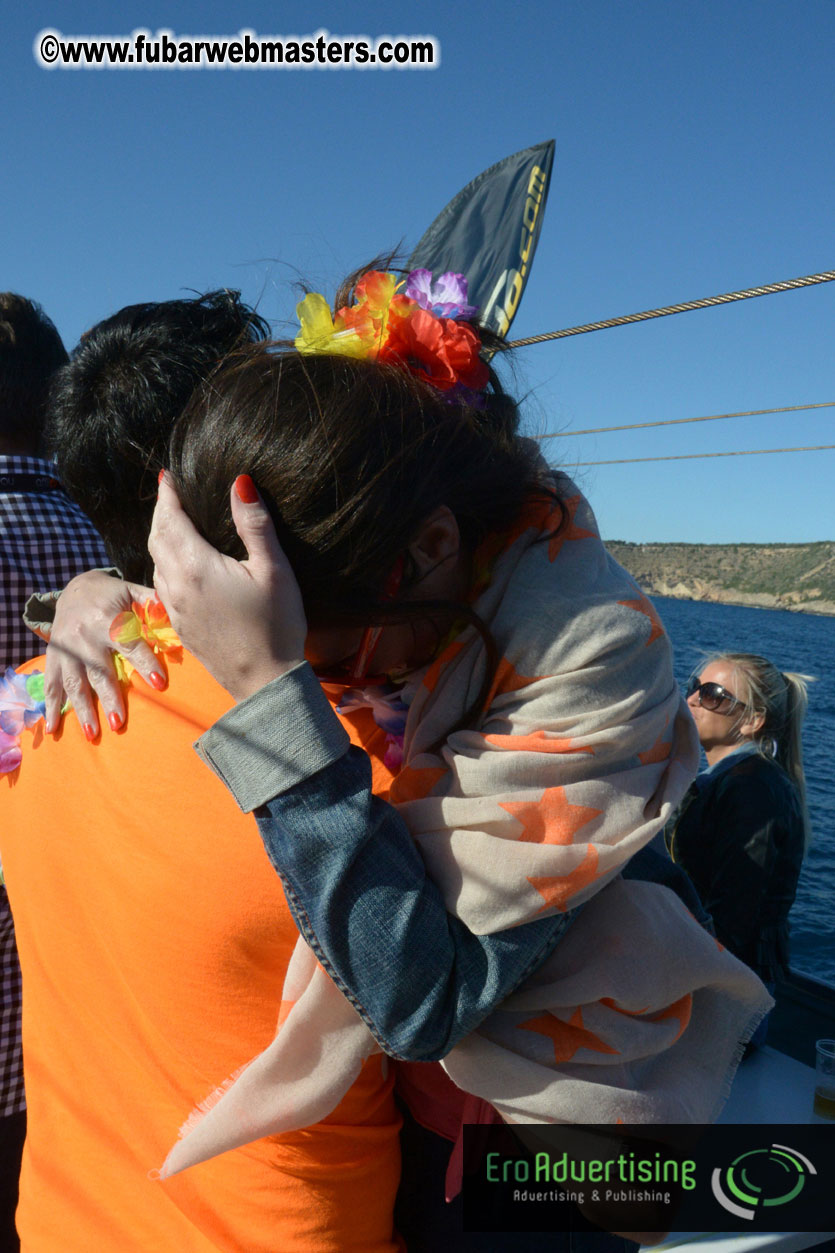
[489,233]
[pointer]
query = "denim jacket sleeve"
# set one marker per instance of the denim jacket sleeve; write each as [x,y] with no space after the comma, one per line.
[354,879]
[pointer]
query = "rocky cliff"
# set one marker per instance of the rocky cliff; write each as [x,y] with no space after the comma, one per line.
[774,576]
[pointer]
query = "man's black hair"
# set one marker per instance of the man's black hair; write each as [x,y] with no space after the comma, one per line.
[31,350]
[115,403]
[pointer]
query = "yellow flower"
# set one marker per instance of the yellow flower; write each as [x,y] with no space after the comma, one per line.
[319,334]
[148,622]
[124,670]
[156,627]
[126,627]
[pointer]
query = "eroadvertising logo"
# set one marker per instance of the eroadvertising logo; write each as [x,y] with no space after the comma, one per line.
[761,1177]
[528,1178]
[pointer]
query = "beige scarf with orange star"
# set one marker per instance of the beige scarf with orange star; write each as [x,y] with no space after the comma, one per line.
[638,1015]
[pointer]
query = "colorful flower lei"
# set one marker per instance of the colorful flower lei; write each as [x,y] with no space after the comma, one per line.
[419,328]
[388,710]
[22,705]
[22,701]
[148,622]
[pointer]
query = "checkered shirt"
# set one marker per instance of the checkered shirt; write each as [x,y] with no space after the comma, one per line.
[12,1095]
[45,540]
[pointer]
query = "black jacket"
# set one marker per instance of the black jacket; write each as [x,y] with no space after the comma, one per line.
[740,838]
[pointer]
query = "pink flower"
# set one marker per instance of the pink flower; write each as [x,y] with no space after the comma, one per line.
[10,754]
[393,756]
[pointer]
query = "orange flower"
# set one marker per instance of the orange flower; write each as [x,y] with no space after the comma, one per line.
[369,317]
[148,622]
[440,350]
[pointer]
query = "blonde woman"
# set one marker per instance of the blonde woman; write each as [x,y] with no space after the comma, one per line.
[742,835]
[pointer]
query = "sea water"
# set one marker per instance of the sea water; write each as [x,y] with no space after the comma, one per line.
[793,641]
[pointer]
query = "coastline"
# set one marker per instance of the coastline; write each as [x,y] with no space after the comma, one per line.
[747,600]
[799,578]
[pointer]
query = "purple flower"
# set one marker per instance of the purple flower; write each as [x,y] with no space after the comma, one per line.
[445,298]
[21,701]
[461,395]
[10,753]
[388,711]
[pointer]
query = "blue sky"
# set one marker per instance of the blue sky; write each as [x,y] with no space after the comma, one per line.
[694,156]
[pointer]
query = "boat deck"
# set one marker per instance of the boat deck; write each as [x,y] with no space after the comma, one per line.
[769,1088]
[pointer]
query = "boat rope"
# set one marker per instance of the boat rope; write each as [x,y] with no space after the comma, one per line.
[713,417]
[693,456]
[826,276]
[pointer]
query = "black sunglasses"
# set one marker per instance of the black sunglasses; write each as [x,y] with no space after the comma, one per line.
[712,695]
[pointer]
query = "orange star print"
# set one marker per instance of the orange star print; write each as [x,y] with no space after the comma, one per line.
[569,530]
[642,605]
[567,1037]
[680,1010]
[430,679]
[557,890]
[536,742]
[550,820]
[415,782]
[659,751]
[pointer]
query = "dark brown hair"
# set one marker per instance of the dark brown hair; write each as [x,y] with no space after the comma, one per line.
[114,406]
[350,457]
[31,350]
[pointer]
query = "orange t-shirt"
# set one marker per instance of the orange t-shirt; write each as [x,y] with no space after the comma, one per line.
[154,938]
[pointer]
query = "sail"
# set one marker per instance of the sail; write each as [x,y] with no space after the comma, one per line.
[489,233]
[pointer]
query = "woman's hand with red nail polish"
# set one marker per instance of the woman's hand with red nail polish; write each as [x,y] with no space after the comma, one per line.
[244,620]
[245,490]
[79,660]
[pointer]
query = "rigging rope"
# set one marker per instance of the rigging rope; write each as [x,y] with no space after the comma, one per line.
[693,456]
[826,276]
[714,417]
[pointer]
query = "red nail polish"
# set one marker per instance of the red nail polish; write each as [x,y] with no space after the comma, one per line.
[115,721]
[160,476]
[157,680]
[89,732]
[245,489]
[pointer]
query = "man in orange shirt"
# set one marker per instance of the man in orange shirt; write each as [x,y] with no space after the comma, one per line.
[154,940]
